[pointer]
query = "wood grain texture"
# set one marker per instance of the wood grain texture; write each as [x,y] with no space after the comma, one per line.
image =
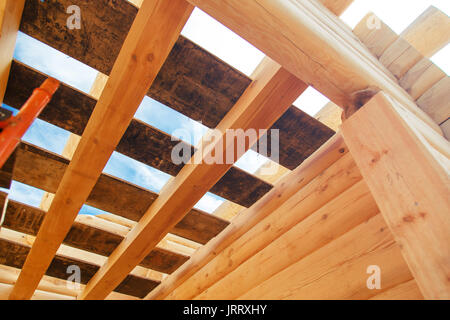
[429,33]
[70,110]
[436,101]
[312,44]
[421,77]
[154,32]
[265,100]
[14,254]
[44,170]
[10,16]
[26,219]
[410,187]
[323,158]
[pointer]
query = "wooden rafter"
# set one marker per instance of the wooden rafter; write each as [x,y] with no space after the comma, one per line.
[10,15]
[272,92]
[312,44]
[409,179]
[154,32]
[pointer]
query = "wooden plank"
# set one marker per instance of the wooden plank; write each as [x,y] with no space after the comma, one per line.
[421,77]
[436,101]
[26,219]
[313,45]
[349,209]
[50,285]
[191,81]
[375,34]
[328,185]
[330,115]
[405,291]
[429,33]
[91,45]
[399,57]
[337,6]
[137,65]
[5,291]
[266,99]
[14,254]
[446,129]
[44,170]
[343,261]
[323,158]
[10,15]
[393,160]
[70,110]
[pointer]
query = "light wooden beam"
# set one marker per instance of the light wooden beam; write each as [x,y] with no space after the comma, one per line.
[429,33]
[10,16]
[323,158]
[154,32]
[407,177]
[272,92]
[311,43]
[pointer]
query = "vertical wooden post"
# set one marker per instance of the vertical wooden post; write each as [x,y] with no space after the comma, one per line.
[410,184]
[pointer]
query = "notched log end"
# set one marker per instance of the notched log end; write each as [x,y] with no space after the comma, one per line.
[357,100]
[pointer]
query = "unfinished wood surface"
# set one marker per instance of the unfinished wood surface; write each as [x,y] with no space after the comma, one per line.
[312,44]
[421,77]
[410,187]
[22,218]
[446,129]
[330,115]
[405,291]
[44,170]
[399,57]
[50,285]
[329,153]
[328,185]
[14,251]
[10,15]
[266,99]
[436,101]
[70,110]
[347,259]
[429,33]
[375,34]
[349,209]
[137,65]
[337,6]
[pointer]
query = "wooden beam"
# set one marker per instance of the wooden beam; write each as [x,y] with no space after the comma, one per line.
[312,44]
[436,101]
[429,33]
[421,77]
[272,92]
[409,184]
[405,291]
[90,234]
[70,109]
[10,16]
[329,184]
[323,158]
[15,246]
[110,194]
[50,285]
[330,115]
[139,62]
[337,6]
[343,261]
[349,209]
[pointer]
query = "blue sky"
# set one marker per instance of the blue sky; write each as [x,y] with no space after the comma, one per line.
[220,41]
